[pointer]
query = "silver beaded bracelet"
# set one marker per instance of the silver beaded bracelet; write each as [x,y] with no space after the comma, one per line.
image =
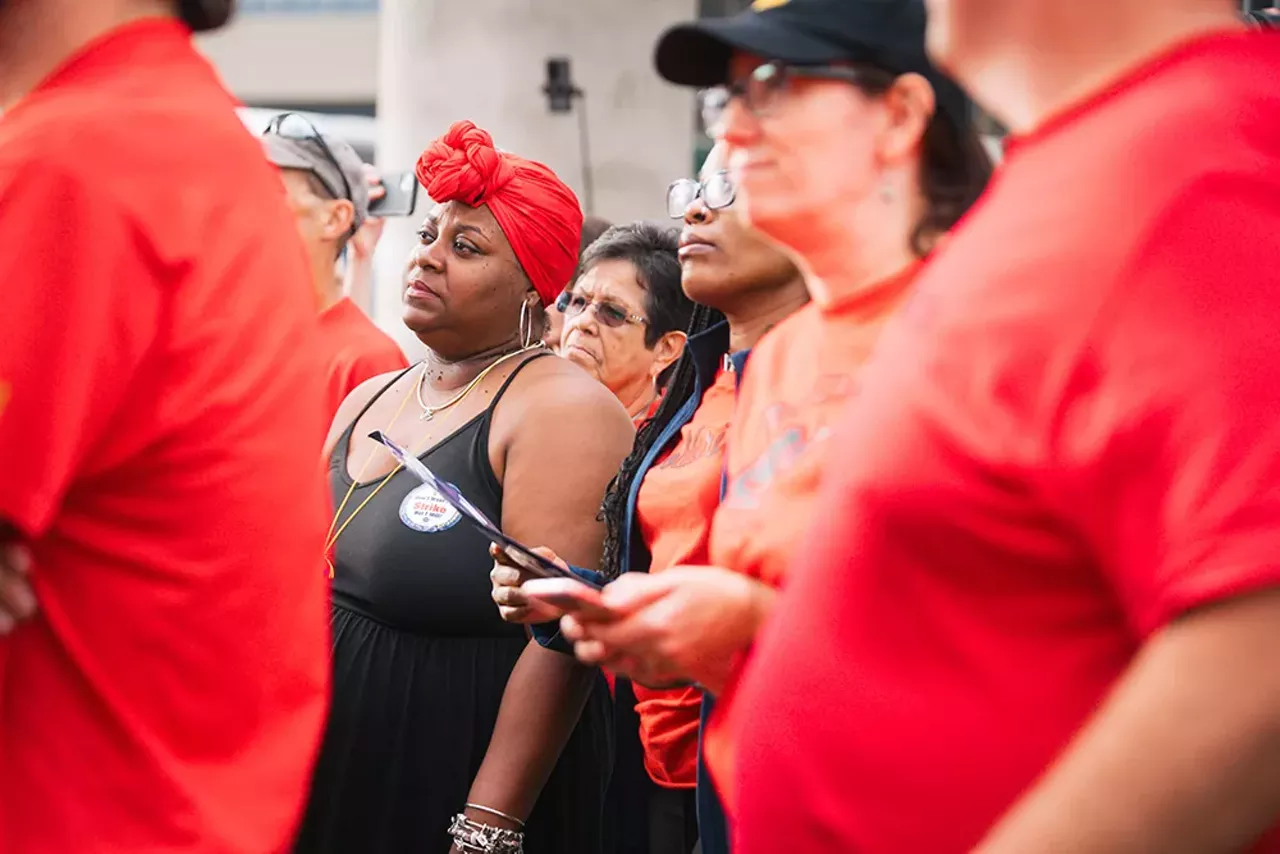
[472,837]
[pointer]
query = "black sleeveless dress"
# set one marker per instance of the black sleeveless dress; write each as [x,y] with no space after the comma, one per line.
[420,660]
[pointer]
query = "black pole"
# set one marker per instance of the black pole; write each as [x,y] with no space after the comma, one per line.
[584,153]
[561,94]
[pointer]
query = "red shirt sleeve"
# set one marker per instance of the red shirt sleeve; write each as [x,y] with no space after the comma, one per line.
[1171,427]
[80,308]
[347,375]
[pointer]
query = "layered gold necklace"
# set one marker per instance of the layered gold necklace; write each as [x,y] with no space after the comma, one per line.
[428,413]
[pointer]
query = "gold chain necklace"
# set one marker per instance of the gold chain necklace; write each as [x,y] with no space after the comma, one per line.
[429,412]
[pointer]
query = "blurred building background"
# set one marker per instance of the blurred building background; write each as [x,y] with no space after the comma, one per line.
[390,75]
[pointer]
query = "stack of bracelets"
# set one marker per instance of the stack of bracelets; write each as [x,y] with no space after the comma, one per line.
[472,837]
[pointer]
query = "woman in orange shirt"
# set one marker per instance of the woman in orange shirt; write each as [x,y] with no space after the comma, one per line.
[857,155]
[658,510]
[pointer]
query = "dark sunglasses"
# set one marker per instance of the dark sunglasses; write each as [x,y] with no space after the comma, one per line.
[766,86]
[572,305]
[294,126]
[717,192]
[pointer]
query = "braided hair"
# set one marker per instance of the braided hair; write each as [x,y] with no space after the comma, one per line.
[679,389]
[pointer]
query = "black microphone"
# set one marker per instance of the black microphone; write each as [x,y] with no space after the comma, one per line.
[559,87]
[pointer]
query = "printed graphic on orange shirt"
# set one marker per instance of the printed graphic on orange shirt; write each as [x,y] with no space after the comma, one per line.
[705,442]
[746,489]
[792,430]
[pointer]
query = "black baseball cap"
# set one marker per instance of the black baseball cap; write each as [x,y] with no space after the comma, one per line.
[887,34]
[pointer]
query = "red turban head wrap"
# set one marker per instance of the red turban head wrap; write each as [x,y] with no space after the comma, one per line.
[539,215]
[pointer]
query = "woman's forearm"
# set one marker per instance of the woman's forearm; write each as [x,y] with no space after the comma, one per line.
[747,616]
[541,706]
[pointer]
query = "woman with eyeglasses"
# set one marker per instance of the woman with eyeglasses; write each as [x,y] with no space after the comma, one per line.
[447,722]
[659,509]
[625,314]
[855,154]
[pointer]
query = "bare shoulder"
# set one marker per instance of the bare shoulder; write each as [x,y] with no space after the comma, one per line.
[555,389]
[556,424]
[563,418]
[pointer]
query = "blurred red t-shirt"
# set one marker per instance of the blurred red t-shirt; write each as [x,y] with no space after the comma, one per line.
[1070,437]
[161,417]
[357,350]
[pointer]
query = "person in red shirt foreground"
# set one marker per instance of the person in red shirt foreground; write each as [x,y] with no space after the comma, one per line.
[1039,608]
[329,195]
[858,156]
[161,510]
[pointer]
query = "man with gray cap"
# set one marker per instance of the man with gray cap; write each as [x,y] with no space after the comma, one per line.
[329,196]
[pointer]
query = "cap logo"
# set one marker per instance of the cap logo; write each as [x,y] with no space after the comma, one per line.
[764,5]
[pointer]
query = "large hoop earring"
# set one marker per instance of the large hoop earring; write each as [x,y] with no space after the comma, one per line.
[526,326]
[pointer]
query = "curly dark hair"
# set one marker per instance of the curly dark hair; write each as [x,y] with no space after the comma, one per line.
[679,389]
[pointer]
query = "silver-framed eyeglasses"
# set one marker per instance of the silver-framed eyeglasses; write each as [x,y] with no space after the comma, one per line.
[717,192]
[611,315]
[765,87]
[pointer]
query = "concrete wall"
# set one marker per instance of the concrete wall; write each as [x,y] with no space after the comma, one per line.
[425,64]
[488,65]
[329,58]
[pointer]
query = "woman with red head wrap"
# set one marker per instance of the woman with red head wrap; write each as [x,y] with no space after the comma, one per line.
[539,215]
[443,716]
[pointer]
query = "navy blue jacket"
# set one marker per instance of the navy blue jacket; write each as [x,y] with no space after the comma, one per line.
[629,816]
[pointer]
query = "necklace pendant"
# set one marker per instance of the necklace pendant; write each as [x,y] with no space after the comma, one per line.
[427,415]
